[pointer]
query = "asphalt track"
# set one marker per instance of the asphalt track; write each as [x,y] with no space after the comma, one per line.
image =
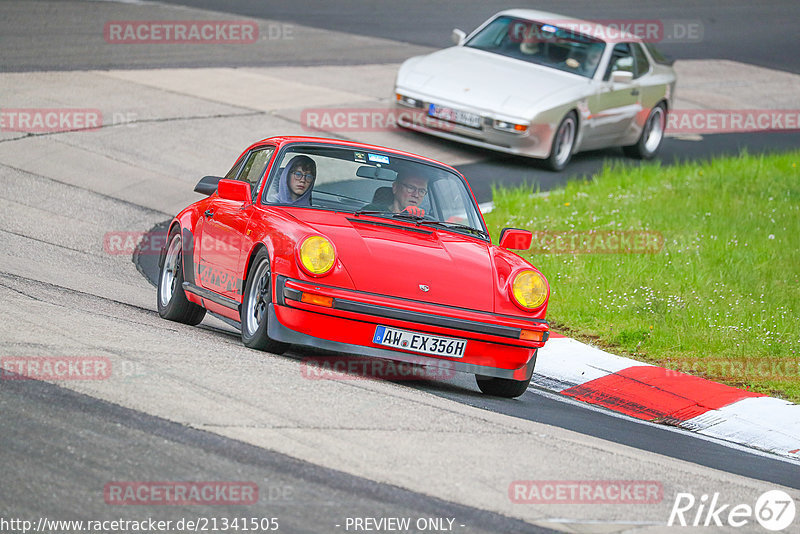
[202,407]
[63,441]
[760,33]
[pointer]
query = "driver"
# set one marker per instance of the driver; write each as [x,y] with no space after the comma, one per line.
[592,59]
[408,192]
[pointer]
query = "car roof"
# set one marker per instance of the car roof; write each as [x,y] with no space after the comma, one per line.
[587,27]
[286,139]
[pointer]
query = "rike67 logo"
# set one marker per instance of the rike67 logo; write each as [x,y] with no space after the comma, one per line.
[774,510]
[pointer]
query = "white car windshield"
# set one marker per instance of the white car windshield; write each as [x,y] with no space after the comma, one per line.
[540,43]
[375,183]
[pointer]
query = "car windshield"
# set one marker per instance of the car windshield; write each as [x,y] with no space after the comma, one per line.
[373,183]
[540,43]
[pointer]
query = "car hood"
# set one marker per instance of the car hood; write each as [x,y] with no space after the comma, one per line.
[395,259]
[484,80]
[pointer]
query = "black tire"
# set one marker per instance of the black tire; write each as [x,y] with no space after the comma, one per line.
[563,143]
[171,299]
[255,306]
[502,387]
[652,135]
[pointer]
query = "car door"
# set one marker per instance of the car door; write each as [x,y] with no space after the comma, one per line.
[222,230]
[613,106]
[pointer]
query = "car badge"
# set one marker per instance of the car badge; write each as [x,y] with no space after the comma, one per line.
[424,288]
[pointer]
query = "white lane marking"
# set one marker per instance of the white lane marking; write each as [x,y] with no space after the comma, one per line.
[685,432]
[572,362]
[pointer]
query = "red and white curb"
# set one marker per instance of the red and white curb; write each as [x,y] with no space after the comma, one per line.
[660,395]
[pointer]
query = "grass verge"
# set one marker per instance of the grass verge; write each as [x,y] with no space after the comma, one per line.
[691,267]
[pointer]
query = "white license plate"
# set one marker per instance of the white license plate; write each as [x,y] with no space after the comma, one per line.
[422,343]
[455,115]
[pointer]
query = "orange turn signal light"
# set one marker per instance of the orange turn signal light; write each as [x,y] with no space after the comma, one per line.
[531,335]
[319,300]
[520,127]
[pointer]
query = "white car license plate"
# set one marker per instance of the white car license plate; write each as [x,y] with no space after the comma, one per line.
[455,115]
[423,343]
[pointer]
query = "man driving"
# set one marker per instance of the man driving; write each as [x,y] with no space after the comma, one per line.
[408,192]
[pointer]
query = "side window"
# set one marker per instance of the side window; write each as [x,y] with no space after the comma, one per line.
[642,65]
[235,170]
[621,59]
[255,163]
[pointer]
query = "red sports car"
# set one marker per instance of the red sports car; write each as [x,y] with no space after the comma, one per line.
[361,250]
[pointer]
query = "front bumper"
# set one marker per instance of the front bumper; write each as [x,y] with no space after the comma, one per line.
[493,346]
[534,143]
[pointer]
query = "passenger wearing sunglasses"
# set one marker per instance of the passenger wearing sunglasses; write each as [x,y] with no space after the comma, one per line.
[297,181]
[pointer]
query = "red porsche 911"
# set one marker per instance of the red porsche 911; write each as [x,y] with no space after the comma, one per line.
[360,250]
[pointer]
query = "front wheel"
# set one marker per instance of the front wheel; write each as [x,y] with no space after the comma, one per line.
[563,143]
[255,307]
[502,387]
[652,135]
[172,302]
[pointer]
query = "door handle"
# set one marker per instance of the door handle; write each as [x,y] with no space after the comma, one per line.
[634,92]
[208,214]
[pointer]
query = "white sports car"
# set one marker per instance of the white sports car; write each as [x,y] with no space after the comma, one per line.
[541,85]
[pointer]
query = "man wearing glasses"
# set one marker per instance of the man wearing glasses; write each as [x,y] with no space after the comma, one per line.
[407,195]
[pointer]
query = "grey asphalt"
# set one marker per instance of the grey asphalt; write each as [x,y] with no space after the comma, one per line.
[761,33]
[74,445]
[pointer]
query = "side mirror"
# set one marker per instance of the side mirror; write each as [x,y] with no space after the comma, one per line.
[621,76]
[234,190]
[458,36]
[207,185]
[514,238]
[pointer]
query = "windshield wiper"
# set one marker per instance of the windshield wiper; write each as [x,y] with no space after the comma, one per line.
[368,212]
[408,217]
[455,226]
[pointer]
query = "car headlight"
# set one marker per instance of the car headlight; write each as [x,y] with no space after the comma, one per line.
[317,255]
[529,289]
[508,126]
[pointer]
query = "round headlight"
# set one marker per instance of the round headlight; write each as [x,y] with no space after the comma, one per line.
[317,255]
[529,289]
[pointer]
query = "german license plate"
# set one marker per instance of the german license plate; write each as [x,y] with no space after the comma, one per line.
[422,343]
[455,115]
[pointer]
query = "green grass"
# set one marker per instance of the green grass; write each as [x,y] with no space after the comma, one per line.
[721,298]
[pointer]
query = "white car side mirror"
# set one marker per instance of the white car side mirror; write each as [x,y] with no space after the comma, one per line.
[621,76]
[458,36]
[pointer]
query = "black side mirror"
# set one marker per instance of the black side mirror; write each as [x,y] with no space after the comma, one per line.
[207,185]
